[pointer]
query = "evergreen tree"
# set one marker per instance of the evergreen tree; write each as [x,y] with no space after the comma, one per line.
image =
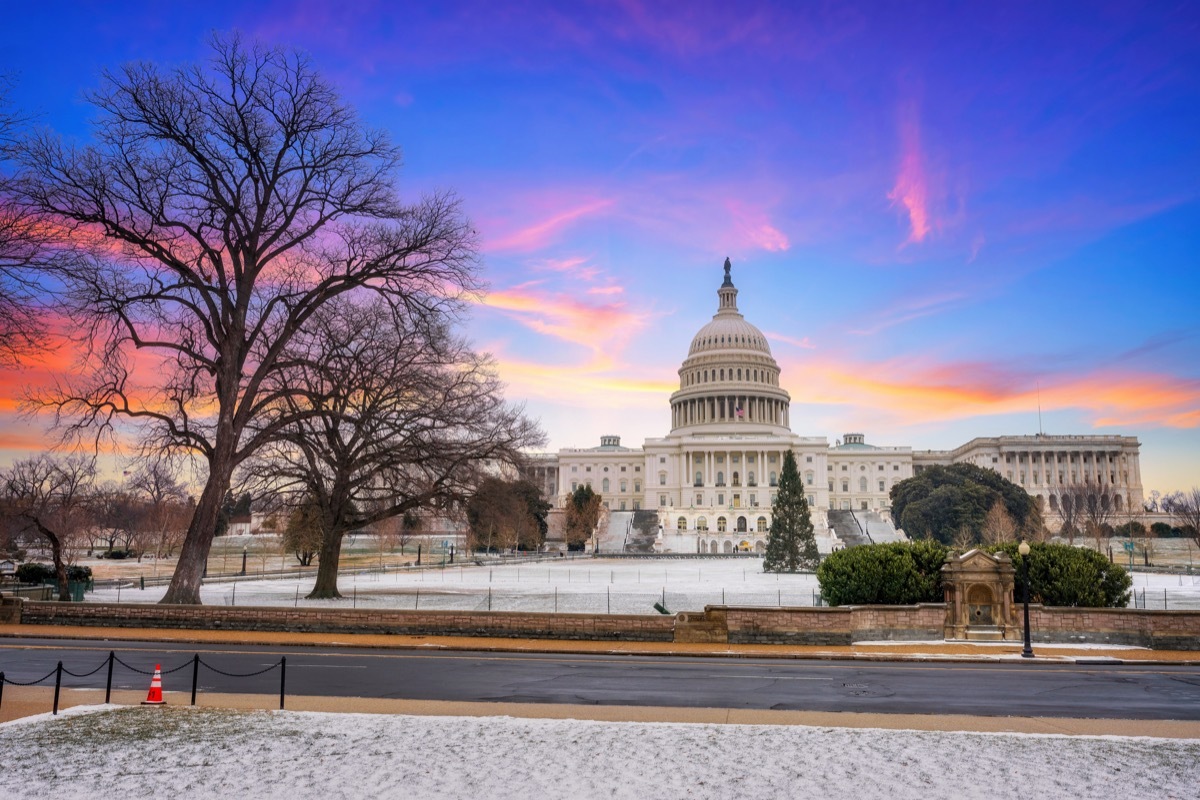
[791,545]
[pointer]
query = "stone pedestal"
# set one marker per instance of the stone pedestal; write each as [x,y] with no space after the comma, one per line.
[979,597]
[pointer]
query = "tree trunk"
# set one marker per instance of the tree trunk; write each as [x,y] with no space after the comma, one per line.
[327,568]
[60,569]
[193,556]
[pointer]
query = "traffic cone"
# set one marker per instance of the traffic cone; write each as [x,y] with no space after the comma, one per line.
[155,698]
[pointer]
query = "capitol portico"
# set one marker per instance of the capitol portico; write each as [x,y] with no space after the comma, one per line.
[711,480]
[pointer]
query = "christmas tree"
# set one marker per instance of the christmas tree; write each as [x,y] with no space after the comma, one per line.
[791,545]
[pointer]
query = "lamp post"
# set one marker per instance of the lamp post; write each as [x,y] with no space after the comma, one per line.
[244,552]
[1023,549]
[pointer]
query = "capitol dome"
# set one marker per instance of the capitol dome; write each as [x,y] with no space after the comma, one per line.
[729,377]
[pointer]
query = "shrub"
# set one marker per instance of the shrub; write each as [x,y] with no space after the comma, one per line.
[884,574]
[79,574]
[1062,575]
[1161,530]
[35,573]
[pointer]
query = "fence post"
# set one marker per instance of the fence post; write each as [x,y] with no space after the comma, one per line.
[489,598]
[608,591]
[195,675]
[555,599]
[282,679]
[108,683]
[57,685]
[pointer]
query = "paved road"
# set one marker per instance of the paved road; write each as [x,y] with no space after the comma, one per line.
[1056,690]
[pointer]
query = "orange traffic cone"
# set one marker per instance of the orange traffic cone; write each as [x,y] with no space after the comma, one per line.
[155,698]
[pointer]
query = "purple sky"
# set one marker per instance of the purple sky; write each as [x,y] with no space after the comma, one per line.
[936,212]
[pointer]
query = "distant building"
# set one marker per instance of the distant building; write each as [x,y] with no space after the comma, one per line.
[712,479]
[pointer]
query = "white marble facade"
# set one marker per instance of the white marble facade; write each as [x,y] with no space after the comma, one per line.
[712,478]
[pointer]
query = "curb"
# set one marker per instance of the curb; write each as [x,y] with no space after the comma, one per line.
[1091,660]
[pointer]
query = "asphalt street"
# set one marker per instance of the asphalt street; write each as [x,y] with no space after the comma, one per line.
[1103,691]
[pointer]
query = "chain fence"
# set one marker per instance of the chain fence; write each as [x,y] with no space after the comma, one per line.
[195,662]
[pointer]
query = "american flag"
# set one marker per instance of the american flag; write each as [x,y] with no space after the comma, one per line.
[740,413]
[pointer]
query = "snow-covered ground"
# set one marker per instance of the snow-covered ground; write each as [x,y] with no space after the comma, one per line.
[618,586]
[135,752]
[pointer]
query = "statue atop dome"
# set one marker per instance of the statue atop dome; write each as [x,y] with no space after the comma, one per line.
[728,266]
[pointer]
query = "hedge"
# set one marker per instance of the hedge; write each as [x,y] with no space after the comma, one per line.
[1063,575]
[894,574]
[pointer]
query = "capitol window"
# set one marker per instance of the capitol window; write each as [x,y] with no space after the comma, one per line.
[662,479]
[637,486]
[702,523]
[721,524]
[604,486]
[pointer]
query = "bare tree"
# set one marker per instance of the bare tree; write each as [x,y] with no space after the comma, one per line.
[221,206]
[998,527]
[22,243]
[385,414]
[302,536]
[1184,508]
[1091,506]
[165,508]
[50,496]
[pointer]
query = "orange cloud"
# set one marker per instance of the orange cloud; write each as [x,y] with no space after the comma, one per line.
[601,382]
[912,187]
[913,393]
[601,327]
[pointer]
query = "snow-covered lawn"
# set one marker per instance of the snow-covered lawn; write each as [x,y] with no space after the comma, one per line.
[135,752]
[618,586]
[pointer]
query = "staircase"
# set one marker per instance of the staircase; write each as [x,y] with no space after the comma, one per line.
[848,528]
[642,532]
[612,538]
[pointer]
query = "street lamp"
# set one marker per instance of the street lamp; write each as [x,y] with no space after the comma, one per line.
[1023,549]
[244,551]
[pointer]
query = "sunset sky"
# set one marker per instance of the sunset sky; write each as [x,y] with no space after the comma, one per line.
[939,214]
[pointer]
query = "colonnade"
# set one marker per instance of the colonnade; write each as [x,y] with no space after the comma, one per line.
[724,408]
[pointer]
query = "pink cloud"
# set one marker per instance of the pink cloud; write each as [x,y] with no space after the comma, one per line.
[801,343]
[908,392]
[541,233]
[753,228]
[600,327]
[912,186]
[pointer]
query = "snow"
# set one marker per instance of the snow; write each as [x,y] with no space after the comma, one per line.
[618,586]
[136,752]
[598,586]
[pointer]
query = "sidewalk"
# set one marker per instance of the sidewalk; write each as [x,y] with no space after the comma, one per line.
[867,651]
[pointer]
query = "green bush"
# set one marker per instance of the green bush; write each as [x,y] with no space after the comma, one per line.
[884,574]
[79,573]
[1063,575]
[35,573]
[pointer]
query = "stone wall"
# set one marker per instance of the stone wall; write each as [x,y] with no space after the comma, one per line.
[595,627]
[1164,630]
[10,610]
[1160,630]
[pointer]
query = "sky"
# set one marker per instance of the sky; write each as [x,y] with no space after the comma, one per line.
[941,215]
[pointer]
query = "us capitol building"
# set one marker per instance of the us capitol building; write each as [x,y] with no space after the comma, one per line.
[712,479]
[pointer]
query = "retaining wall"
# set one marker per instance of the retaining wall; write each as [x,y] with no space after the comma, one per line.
[1160,630]
[1164,630]
[600,627]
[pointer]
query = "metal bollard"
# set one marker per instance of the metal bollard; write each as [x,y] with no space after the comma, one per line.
[195,675]
[112,656]
[57,685]
[282,679]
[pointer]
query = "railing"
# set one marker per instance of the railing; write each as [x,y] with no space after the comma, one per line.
[195,661]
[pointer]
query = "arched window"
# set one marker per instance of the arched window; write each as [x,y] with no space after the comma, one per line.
[722,374]
[624,487]
[736,480]
[699,480]
[774,479]
[604,485]
[702,523]
[637,486]
[741,524]
[761,525]
[1054,502]
[845,486]
[721,524]
[750,479]
[662,479]
[681,523]
[720,478]
[862,484]
[808,478]
[739,373]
